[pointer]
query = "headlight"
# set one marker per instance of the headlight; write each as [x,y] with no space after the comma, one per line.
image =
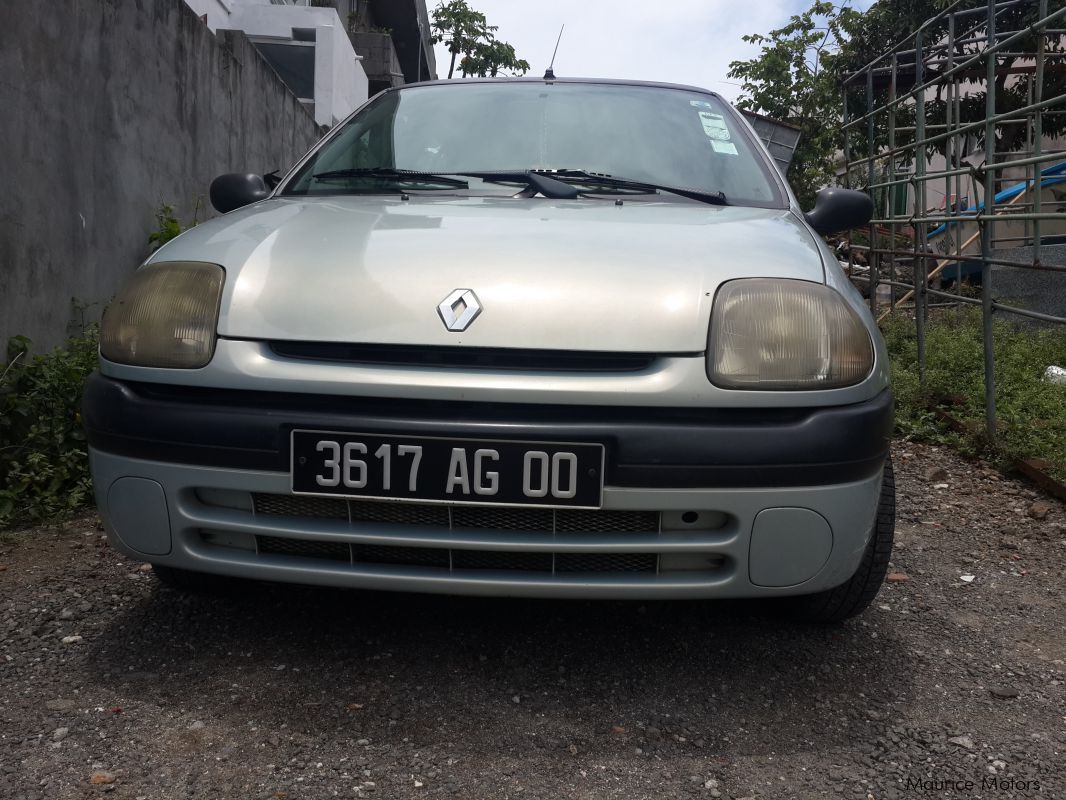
[164,316]
[785,335]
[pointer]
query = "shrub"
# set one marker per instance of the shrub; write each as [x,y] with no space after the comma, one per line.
[1031,412]
[44,469]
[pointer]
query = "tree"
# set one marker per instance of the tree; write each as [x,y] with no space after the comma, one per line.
[793,79]
[467,33]
[799,75]
[489,58]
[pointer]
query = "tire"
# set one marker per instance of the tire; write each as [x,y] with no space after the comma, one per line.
[184,580]
[853,596]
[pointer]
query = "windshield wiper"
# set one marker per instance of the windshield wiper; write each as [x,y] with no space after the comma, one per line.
[545,184]
[392,175]
[601,179]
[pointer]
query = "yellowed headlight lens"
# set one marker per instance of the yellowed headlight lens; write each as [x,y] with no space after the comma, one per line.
[782,335]
[164,316]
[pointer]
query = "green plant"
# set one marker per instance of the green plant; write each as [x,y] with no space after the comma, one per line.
[1031,412]
[169,226]
[466,33]
[44,470]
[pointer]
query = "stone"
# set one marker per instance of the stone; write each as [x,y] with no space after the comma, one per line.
[1039,510]
[936,474]
[1003,692]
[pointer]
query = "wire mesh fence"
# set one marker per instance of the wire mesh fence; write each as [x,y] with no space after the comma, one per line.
[959,134]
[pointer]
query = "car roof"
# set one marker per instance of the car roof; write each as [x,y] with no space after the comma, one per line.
[531,79]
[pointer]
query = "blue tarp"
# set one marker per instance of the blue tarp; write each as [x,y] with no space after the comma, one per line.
[1048,177]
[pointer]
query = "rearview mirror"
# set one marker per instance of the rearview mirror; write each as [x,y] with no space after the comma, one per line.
[236,189]
[837,209]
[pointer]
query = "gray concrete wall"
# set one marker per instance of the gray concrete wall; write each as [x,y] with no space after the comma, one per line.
[108,109]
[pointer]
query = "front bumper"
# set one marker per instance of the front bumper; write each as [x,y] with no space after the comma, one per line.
[715,504]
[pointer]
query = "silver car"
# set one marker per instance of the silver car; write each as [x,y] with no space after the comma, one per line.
[539,337]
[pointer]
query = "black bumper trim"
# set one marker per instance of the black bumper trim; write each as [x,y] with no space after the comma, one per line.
[646,447]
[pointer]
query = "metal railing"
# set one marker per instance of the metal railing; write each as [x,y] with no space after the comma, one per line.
[913,127]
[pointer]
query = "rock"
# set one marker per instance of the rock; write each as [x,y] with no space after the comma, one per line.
[936,474]
[145,568]
[59,704]
[897,577]
[66,613]
[1008,543]
[196,726]
[1003,692]
[516,699]
[653,733]
[59,734]
[101,777]
[1039,510]
[962,741]
[71,639]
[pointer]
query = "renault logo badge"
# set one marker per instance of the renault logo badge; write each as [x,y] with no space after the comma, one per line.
[459,309]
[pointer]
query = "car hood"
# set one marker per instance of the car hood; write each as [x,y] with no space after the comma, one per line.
[585,274]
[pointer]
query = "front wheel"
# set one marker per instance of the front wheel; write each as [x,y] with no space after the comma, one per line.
[853,596]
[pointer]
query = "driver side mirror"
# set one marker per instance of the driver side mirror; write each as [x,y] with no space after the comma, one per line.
[837,209]
[236,189]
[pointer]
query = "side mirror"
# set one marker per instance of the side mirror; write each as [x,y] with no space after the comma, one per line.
[236,189]
[838,209]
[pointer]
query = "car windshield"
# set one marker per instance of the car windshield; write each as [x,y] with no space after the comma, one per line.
[655,135]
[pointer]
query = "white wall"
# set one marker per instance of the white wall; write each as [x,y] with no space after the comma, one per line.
[341,85]
[216,11]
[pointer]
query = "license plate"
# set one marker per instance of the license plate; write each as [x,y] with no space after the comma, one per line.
[439,470]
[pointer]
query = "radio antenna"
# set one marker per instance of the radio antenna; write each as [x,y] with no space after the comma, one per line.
[549,73]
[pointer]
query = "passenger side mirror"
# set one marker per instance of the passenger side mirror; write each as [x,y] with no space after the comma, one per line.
[837,209]
[236,189]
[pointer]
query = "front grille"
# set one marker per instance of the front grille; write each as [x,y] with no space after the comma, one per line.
[508,519]
[543,520]
[494,560]
[284,505]
[607,521]
[488,358]
[606,562]
[405,556]
[563,524]
[459,560]
[397,513]
[307,548]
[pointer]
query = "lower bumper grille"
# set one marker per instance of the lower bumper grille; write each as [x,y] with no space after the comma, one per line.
[451,540]
[459,560]
[543,520]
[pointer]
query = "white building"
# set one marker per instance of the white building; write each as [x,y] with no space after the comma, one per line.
[308,46]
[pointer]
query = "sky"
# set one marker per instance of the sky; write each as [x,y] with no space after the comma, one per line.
[677,41]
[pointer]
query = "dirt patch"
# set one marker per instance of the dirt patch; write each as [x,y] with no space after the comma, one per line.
[949,686]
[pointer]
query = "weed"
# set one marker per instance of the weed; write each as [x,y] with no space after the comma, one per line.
[1031,412]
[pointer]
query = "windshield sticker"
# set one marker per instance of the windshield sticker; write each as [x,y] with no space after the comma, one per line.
[700,104]
[724,147]
[714,126]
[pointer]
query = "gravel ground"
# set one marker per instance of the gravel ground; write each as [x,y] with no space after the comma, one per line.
[112,684]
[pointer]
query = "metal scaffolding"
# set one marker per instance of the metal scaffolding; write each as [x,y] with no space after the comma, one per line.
[912,126]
